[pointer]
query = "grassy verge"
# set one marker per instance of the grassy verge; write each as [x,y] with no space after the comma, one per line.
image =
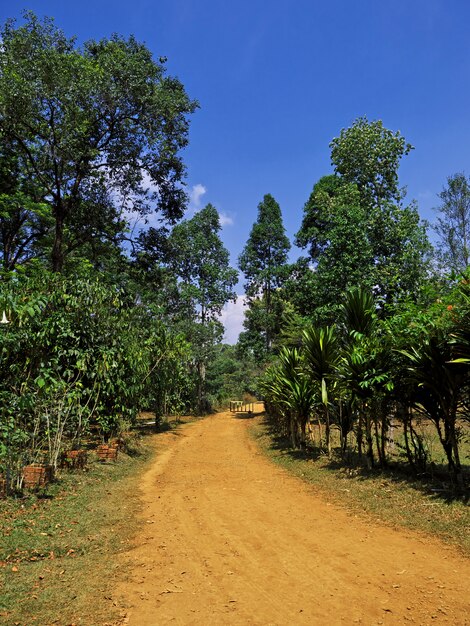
[386,497]
[56,552]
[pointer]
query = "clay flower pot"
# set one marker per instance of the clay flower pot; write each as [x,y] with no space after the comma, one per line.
[118,442]
[3,487]
[37,475]
[107,452]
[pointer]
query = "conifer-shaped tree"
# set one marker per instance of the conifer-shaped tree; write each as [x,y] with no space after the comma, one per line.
[264,263]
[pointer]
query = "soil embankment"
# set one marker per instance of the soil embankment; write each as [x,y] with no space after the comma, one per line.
[229,538]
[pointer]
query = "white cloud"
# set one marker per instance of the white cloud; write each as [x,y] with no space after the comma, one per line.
[137,222]
[225,220]
[147,183]
[232,318]
[195,196]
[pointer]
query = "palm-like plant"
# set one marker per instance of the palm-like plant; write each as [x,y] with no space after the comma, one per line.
[358,312]
[360,368]
[361,374]
[273,394]
[440,381]
[322,355]
[460,334]
[289,390]
[299,393]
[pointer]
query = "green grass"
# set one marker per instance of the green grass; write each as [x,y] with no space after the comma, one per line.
[391,497]
[57,554]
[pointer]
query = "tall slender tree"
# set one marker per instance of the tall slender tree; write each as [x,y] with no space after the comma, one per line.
[453,223]
[264,264]
[197,256]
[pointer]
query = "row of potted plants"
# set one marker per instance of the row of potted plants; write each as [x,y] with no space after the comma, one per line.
[38,475]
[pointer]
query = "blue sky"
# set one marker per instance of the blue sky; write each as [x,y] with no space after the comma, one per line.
[278,79]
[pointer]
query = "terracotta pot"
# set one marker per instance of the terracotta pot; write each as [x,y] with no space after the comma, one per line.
[118,442]
[37,475]
[107,452]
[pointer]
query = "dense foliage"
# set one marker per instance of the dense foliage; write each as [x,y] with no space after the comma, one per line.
[98,324]
[377,341]
[102,319]
[91,129]
[368,376]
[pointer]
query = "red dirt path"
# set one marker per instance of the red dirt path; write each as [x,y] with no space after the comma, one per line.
[229,538]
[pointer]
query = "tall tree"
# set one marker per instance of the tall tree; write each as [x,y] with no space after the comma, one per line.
[340,253]
[453,223]
[264,263]
[96,127]
[199,259]
[355,225]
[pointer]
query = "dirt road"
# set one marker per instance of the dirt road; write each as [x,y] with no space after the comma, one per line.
[229,538]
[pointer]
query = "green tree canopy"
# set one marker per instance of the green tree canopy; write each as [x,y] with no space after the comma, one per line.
[24,219]
[334,229]
[453,223]
[369,155]
[355,226]
[98,128]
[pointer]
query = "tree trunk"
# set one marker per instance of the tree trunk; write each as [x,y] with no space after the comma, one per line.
[385,428]
[303,431]
[369,450]
[58,246]
[293,431]
[451,448]
[359,434]
[378,444]
[343,431]
[320,431]
[201,371]
[458,474]
[406,421]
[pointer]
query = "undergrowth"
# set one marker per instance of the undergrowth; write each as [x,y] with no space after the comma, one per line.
[56,553]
